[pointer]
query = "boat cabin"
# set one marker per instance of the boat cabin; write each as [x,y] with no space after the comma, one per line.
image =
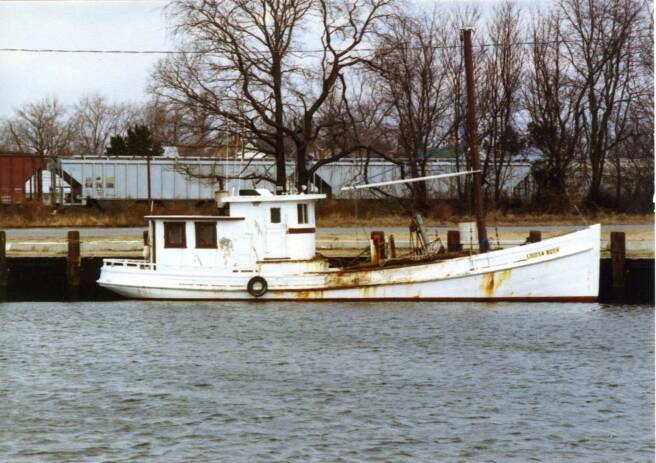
[257,227]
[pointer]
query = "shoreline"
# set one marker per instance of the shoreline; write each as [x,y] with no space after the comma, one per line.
[122,220]
[341,241]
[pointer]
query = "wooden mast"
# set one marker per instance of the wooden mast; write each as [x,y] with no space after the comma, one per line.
[472,140]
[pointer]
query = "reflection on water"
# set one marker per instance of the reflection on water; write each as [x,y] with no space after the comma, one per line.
[164,381]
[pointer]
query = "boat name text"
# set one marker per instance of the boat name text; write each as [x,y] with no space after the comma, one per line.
[548,252]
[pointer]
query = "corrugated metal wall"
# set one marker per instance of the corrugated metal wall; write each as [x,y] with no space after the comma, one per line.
[175,178]
[15,170]
[128,178]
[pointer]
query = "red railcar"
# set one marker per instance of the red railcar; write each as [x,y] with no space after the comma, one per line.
[15,170]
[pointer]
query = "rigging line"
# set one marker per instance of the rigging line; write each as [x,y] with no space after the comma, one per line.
[295,51]
[408,180]
[576,208]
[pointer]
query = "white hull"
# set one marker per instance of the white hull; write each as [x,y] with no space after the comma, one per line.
[565,268]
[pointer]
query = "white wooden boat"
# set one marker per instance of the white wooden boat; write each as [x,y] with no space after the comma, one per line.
[264,249]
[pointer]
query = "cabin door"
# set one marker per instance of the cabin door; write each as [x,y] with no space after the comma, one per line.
[274,236]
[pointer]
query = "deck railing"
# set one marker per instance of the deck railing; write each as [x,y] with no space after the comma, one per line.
[129,263]
[149,266]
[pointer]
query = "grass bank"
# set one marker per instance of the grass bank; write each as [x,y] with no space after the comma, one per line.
[351,213]
[127,214]
[330,213]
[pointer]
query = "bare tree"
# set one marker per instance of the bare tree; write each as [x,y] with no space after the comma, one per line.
[414,86]
[501,73]
[181,125]
[451,55]
[632,160]
[600,39]
[246,69]
[6,138]
[554,107]
[94,121]
[41,128]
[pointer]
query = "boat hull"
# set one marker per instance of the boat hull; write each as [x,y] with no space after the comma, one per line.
[565,268]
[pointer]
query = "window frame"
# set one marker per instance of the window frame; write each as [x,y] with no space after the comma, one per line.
[167,243]
[302,214]
[212,245]
[271,215]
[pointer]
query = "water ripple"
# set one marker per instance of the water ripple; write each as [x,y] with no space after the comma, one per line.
[166,381]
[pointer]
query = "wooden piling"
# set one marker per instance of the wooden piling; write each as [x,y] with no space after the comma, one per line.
[73,265]
[534,236]
[453,241]
[3,266]
[378,240]
[618,256]
[392,247]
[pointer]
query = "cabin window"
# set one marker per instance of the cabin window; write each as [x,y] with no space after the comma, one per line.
[275,215]
[174,235]
[302,211]
[205,235]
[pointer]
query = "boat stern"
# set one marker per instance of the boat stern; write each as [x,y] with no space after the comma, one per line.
[124,276]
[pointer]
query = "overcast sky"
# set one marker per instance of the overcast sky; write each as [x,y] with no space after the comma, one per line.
[25,77]
[97,24]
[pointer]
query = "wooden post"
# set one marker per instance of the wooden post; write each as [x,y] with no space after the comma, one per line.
[145,237]
[534,236]
[61,185]
[378,240]
[453,241]
[618,254]
[53,187]
[150,197]
[39,185]
[392,247]
[3,266]
[73,266]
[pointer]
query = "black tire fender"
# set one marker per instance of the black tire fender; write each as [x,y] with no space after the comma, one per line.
[257,286]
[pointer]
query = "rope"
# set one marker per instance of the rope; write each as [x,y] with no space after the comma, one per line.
[355,260]
[496,228]
[569,199]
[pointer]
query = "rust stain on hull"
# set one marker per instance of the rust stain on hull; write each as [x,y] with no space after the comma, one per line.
[304,295]
[347,280]
[493,281]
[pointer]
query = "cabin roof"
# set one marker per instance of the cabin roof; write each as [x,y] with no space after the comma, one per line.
[192,217]
[272,198]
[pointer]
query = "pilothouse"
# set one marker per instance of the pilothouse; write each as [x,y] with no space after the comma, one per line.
[258,227]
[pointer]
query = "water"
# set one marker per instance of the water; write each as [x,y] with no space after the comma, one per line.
[196,382]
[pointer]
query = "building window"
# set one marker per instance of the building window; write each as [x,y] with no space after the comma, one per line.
[205,235]
[275,215]
[174,235]
[302,211]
